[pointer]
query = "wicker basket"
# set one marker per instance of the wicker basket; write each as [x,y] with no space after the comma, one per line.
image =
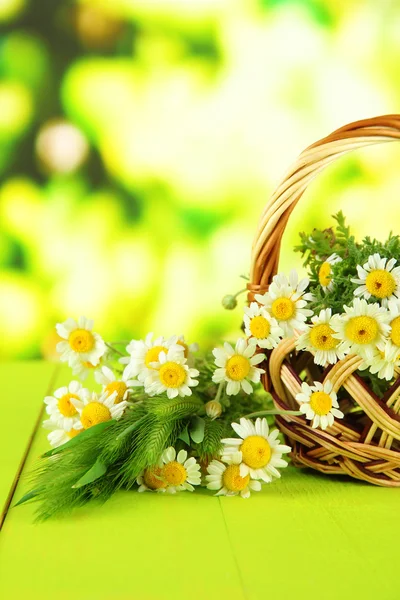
[366,443]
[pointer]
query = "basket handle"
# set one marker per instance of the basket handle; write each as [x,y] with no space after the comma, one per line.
[266,245]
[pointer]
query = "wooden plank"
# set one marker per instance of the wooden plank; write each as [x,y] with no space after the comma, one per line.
[143,546]
[305,536]
[312,536]
[23,386]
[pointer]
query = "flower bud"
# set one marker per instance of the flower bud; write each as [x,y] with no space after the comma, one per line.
[213,409]
[229,302]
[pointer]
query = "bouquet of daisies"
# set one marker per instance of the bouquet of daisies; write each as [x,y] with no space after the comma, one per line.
[348,305]
[167,419]
[355,290]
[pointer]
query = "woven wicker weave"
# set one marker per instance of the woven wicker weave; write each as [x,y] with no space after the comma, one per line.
[366,443]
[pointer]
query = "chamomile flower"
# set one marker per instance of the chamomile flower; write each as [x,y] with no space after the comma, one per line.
[394,323]
[238,366]
[260,327]
[188,349]
[152,480]
[319,339]
[213,409]
[379,279]
[111,384]
[260,450]
[59,436]
[60,406]
[286,301]
[319,404]
[80,342]
[325,272]
[170,374]
[143,353]
[226,478]
[385,363]
[362,329]
[97,409]
[179,472]
[82,368]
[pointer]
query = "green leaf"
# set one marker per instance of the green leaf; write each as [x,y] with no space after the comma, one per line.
[184,436]
[197,429]
[265,413]
[131,428]
[86,433]
[96,471]
[28,496]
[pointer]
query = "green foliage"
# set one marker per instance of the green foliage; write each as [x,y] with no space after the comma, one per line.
[319,245]
[88,433]
[97,470]
[211,445]
[197,425]
[95,466]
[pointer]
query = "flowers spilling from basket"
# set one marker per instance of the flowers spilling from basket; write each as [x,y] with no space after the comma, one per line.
[349,305]
[168,418]
[164,418]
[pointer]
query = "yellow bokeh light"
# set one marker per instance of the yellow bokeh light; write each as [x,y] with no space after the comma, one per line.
[21,208]
[22,316]
[16,108]
[9,9]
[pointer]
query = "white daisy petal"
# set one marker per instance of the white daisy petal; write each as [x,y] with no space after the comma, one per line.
[237,366]
[259,450]
[378,279]
[319,405]
[362,329]
[81,342]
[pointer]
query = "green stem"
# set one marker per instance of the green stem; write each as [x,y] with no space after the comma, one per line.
[264,413]
[219,391]
[240,292]
[114,350]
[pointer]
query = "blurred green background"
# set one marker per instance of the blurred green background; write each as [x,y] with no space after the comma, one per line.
[139,140]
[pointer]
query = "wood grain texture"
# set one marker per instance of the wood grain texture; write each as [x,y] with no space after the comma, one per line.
[23,386]
[304,537]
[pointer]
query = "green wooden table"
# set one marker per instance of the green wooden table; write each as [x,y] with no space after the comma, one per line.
[305,536]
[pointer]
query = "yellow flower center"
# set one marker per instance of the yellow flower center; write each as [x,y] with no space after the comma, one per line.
[325,274]
[362,330]
[321,337]
[185,348]
[94,413]
[117,386]
[65,406]
[153,354]
[237,367]
[73,433]
[260,327]
[153,478]
[256,451]
[283,309]
[81,340]
[321,403]
[380,283]
[89,365]
[395,333]
[172,374]
[232,479]
[174,473]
